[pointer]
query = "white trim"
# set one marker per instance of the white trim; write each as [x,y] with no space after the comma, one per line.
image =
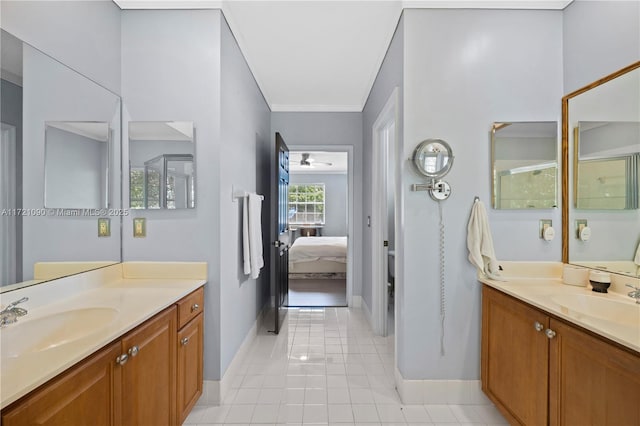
[358,302]
[387,117]
[440,391]
[484,4]
[406,4]
[215,391]
[367,312]
[315,108]
[350,208]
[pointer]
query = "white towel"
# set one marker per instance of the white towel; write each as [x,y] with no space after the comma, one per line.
[636,260]
[246,253]
[480,242]
[255,234]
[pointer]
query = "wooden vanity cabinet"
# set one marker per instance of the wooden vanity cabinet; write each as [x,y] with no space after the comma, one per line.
[514,358]
[540,370]
[149,376]
[190,343]
[591,381]
[146,377]
[87,391]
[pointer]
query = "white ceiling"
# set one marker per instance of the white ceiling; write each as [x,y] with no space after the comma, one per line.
[320,55]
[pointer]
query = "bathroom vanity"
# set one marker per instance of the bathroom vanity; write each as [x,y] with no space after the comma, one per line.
[144,366]
[560,355]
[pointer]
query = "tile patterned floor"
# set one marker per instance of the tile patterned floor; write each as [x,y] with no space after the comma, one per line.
[327,367]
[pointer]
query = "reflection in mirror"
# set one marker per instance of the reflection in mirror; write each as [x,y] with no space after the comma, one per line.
[606,157]
[524,158]
[433,158]
[76,165]
[602,140]
[37,94]
[161,158]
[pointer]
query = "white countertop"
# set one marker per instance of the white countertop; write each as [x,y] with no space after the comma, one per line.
[541,292]
[135,299]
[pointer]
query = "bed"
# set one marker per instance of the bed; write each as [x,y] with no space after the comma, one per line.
[318,257]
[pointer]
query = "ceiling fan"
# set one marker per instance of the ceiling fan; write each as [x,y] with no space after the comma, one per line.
[307,161]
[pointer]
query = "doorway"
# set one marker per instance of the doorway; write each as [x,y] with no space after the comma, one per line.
[384,255]
[8,185]
[320,205]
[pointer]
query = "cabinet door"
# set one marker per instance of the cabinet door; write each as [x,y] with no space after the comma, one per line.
[190,352]
[514,358]
[149,376]
[592,382]
[85,394]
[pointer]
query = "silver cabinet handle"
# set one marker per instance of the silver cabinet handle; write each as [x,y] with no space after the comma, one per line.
[184,341]
[133,351]
[122,359]
[538,326]
[195,307]
[550,333]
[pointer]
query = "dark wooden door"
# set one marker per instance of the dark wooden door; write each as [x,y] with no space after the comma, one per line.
[280,196]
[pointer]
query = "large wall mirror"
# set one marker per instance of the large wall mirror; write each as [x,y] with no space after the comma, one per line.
[524,160]
[60,136]
[161,165]
[601,146]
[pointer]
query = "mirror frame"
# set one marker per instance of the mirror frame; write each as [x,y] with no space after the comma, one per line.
[420,168]
[565,150]
[497,125]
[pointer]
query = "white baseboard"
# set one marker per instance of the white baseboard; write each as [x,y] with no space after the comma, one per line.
[440,391]
[356,301]
[367,312]
[214,391]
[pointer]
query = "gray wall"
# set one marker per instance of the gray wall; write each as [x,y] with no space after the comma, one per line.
[464,70]
[325,129]
[53,92]
[390,76]
[171,72]
[336,200]
[186,66]
[245,143]
[84,35]
[599,37]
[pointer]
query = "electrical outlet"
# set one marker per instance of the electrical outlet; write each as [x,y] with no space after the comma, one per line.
[104,227]
[139,227]
[544,224]
[580,225]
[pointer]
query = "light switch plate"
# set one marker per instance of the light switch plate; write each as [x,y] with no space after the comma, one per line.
[139,227]
[104,227]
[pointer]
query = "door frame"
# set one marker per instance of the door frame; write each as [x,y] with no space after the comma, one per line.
[350,197]
[388,116]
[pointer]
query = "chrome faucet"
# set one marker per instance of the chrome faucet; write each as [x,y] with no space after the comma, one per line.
[635,293]
[11,312]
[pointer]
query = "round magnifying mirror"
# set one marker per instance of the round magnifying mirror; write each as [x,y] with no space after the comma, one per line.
[433,158]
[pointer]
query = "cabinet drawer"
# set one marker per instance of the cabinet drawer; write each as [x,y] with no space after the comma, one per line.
[190,306]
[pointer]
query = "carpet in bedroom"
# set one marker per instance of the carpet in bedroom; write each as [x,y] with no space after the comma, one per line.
[317,292]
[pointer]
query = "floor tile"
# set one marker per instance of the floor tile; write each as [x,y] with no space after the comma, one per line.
[365,413]
[326,367]
[340,413]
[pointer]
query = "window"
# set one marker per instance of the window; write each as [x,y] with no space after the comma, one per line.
[306,204]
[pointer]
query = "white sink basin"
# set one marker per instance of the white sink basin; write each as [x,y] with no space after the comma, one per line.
[600,307]
[52,331]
